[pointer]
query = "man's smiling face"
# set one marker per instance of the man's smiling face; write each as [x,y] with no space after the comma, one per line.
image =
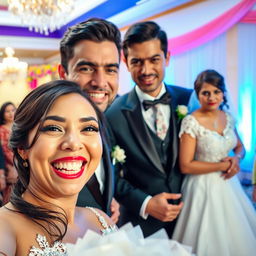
[95,67]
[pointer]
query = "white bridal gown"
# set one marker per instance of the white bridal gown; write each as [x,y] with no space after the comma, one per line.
[217,219]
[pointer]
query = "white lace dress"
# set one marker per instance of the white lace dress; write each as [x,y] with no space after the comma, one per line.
[217,219]
[58,248]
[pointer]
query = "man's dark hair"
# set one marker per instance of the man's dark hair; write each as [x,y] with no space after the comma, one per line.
[142,32]
[94,29]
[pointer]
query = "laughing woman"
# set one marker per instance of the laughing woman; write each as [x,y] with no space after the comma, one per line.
[57,143]
[217,217]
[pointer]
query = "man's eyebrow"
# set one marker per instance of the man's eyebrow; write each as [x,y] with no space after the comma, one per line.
[148,58]
[92,64]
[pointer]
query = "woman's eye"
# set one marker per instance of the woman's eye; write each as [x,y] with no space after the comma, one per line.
[205,93]
[50,128]
[217,92]
[91,128]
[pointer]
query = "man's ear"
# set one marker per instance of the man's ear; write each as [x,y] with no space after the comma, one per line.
[62,72]
[168,57]
[23,153]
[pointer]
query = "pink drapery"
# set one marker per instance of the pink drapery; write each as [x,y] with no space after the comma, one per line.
[211,30]
[249,18]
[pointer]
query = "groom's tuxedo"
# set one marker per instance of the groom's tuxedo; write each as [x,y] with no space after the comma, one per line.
[86,196]
[146,171]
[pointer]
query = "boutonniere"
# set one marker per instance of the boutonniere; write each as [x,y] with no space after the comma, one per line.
[118,155]
[181,111]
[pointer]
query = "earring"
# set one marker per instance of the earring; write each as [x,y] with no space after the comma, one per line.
[25,164]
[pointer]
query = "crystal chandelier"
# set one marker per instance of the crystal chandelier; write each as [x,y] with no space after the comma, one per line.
[42,16]
[12,65]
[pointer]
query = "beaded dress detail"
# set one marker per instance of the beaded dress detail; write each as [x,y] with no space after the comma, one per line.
[59,248]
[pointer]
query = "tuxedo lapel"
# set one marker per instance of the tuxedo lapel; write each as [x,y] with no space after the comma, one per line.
[109,177]
[132,112]
[173,127]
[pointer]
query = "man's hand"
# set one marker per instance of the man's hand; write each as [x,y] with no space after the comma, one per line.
[159,208]
[114,207]
[233,169]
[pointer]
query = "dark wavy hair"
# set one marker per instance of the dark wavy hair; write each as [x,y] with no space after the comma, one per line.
[142,32]
[94,29]
[212,77]
[2,110]
[31,112]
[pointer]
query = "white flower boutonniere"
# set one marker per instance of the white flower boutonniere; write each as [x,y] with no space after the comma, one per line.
[181,111]
[118,155]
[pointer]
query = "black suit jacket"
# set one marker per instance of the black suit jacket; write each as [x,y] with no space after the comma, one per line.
[142,173]
[86,197]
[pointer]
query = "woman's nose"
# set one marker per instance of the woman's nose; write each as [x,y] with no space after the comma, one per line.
[72,142]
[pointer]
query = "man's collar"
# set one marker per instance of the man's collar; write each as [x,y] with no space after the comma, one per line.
[144,96]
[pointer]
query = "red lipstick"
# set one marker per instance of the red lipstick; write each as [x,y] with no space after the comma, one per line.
[69,167]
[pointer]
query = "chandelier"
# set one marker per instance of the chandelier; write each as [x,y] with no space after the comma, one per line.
[42,16]
[12,65]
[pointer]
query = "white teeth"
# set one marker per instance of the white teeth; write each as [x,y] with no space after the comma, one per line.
[97,95]
[68,167]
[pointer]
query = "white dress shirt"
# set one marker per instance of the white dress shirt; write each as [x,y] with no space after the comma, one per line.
[100,175]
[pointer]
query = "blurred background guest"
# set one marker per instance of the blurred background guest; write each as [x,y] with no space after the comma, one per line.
[7,112]
[2,175]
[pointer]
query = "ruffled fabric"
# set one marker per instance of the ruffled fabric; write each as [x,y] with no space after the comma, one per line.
[127,241]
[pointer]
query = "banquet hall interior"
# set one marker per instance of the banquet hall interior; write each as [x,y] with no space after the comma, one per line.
[202,34]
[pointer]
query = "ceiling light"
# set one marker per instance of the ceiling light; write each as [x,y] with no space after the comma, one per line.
[42,16]
[10,64]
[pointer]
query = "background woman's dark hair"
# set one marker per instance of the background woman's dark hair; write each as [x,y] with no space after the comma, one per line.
[32,111]
[2,110]
[142,32]
[212,77]
[94,29]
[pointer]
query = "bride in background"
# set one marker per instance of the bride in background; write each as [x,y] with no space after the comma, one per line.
[217,217]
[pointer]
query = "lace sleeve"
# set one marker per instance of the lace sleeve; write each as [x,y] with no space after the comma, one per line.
[231,120]
[188,126]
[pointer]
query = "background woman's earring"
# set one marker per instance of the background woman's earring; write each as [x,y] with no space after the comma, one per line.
[25,163]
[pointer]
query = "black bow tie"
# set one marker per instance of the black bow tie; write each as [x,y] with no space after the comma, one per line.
[165,99]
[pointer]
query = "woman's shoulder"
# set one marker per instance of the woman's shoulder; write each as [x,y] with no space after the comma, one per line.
[7,232]
[96,219]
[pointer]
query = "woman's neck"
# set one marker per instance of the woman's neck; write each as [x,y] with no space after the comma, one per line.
[65,205]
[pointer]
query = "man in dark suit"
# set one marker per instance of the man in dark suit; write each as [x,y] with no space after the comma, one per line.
[144,123]
[90,56]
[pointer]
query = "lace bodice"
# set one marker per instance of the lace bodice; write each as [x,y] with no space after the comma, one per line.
[59,248]
[210,146]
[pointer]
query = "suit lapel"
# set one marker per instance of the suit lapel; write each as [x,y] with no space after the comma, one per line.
[109,177]
[132,112]
[173,127]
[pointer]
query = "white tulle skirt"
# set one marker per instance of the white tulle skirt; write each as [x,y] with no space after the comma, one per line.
[127,241]
[217,219]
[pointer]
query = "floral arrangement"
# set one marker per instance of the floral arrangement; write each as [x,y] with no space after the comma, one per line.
[181,111]
[118,155]
[38,71]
